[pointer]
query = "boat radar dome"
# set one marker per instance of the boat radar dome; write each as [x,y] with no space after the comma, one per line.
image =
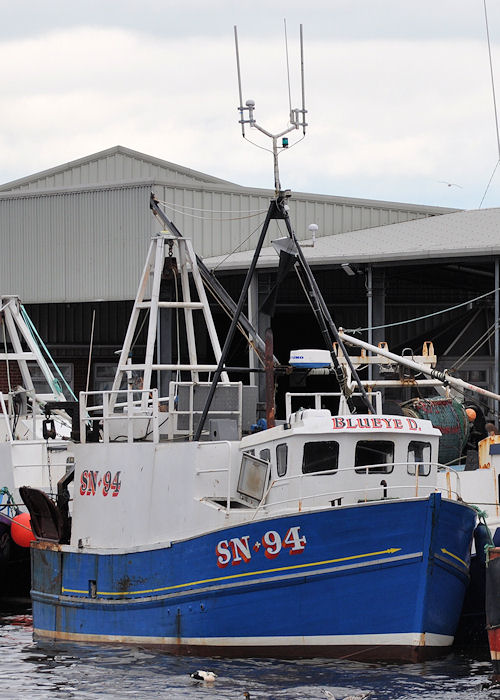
[310,359]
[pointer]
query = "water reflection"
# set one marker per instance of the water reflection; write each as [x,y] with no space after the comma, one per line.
[79,672]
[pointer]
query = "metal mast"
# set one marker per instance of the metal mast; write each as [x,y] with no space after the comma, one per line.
[278,209]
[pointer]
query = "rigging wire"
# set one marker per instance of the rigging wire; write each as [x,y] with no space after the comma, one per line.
[229,314]
[474,348]
[492,79]
[6,355]
[494,101]
[238,246]
[489,183]
[257,145]
[212,218]
[421,318]
[134,341]
[214,211]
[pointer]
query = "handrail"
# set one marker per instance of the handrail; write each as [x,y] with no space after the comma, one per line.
[416,486]
[6,416]
[174,411]
[220,469]
[150,413]
[434,487]
[318,395]
[331,494]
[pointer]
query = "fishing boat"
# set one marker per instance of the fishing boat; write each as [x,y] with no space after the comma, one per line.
[34,449]
[199,527]
[193,532]
[489,458]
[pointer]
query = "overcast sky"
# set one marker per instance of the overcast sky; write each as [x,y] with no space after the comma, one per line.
[398,92]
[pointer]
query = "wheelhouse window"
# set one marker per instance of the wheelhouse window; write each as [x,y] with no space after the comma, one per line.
[374,457]
[265,454]
[320,457]
[281,458]
[419,453]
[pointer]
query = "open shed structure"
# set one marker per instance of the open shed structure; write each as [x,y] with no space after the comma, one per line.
[75,236]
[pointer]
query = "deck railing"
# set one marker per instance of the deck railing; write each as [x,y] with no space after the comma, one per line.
[133,411]
[420,487]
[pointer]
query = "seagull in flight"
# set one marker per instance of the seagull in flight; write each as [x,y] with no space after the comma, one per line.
[449,184]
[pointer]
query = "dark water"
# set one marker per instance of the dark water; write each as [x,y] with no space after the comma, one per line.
[79,672]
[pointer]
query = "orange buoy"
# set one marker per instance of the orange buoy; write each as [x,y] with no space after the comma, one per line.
[471,414]
[21,531]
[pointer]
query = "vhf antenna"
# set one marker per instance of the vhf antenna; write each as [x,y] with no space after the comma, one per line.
[297,116]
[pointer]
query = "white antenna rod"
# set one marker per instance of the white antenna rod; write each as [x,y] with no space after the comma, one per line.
[288,70]
[239,81]
[304,124]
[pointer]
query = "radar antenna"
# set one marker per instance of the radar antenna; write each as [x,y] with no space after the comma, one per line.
[297,118]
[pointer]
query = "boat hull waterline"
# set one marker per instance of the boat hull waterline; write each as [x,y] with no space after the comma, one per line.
[377,580]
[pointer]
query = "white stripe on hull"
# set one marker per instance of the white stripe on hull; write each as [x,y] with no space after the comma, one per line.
[414,639]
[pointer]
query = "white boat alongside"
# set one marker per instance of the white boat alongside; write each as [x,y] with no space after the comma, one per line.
[34,450]
[194,531]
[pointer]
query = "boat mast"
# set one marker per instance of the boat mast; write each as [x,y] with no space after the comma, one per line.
[320,309]
[278,209]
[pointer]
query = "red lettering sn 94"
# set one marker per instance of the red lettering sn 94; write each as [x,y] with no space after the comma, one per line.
[239,549]
[91,483]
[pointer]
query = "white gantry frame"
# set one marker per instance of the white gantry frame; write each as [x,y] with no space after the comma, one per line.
[162,245]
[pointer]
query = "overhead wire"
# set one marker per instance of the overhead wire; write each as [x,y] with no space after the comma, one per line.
[212,218]
[475,346]
[494,102]
[171,205]
[421,318]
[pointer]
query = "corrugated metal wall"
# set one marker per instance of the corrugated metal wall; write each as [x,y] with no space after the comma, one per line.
[90,244]
[75,246]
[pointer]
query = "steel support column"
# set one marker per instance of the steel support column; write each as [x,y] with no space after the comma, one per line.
[497,315]
[378,310]
[369,306]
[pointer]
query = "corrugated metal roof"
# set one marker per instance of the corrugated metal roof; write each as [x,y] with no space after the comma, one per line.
[117,164]
[459,234]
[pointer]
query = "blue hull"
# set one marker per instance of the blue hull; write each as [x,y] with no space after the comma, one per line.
[381,580]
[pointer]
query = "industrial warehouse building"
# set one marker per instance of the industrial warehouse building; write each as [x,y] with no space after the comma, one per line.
[75,238]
